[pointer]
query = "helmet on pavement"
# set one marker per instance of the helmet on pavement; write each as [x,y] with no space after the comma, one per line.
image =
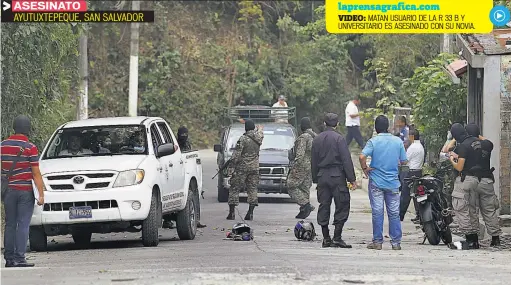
[305,231]
[241,231]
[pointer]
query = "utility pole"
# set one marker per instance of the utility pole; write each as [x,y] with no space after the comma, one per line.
[83,65]
[133,79]
[446,44]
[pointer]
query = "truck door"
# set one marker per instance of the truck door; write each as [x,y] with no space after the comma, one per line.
[163,164]
[178,170]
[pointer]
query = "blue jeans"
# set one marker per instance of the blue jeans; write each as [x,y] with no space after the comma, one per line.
[19,206]
[391,198]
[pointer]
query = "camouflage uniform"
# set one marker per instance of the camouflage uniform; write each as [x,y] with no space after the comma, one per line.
[245,162]
[299,180]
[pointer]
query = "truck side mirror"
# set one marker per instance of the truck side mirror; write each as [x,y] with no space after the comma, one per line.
[217,148]
[165,150]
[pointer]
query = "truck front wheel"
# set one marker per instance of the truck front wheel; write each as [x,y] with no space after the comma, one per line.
[187,218]
[38,239]
[152,224]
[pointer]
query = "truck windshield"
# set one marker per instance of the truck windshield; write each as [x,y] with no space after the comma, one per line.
[97,141]
[274,139]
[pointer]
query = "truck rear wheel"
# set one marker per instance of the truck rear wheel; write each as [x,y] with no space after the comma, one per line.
[186,222]
[82,238]
[38,239]
[223,193]
[152,224]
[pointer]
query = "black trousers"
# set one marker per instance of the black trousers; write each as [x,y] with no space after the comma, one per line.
[354,133]
[405,194]
[333,188]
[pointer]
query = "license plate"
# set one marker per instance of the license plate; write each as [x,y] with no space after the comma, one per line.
[83,212]
[421,198]
[266,182]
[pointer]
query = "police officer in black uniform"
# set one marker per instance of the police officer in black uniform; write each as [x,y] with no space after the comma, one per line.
[466,156]
[332,166]
[484,196]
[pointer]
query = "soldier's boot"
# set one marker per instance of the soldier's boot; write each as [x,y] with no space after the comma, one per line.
[338,242]
[327,241]
[301,213]
[250,214]
[472,241]
[305,211]
[231,215]
[495,241]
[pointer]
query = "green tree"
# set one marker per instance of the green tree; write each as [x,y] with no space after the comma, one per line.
[438,101]
[39,71]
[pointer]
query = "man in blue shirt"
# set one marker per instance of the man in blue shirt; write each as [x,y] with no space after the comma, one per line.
[387,152]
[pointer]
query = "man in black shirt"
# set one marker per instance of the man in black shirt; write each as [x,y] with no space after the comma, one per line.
[465,157]
[484,194]
[331,167]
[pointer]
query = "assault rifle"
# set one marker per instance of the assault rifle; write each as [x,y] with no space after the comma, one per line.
[224,166]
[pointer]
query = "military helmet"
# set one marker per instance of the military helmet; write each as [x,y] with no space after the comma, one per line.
[305,231]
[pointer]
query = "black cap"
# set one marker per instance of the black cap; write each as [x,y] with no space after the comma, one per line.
[473,130]
[331,119]
[249,125]
[22,125]
[182,130]
[458,132]
[305,123]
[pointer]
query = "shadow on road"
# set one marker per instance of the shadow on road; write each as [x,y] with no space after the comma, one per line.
[112,243]
[270,199]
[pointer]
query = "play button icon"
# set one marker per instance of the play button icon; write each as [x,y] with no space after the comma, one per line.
[500,16]
[6,5]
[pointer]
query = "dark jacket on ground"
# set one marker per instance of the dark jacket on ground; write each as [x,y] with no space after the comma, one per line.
[331,156]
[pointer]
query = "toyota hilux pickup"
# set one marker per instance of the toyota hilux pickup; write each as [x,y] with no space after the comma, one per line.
[124,174]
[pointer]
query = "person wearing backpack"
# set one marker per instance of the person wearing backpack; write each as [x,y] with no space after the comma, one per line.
[20,165]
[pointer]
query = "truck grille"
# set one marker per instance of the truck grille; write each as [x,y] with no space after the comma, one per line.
[89,175]
[80,181]
[272,170]
[103,204]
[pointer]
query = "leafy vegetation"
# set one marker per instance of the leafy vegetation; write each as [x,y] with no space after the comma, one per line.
[438,101]
[38,76]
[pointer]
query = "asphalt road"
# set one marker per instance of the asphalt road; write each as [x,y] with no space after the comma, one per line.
[274,257]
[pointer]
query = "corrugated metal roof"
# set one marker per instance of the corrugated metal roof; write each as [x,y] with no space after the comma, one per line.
[490,44]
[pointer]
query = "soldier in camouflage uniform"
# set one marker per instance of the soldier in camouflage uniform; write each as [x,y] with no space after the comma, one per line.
[245,168]
[445,169]
[299,180]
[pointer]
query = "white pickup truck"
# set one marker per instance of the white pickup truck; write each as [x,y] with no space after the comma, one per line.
[115,175]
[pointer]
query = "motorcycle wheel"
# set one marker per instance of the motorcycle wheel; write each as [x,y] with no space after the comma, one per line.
[447,236]
[431,233]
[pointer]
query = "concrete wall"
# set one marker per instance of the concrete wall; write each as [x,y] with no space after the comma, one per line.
[491,111]
[505,135]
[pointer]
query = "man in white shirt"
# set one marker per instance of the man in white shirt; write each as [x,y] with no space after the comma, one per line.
[281,115]
[415,157]
[353,123]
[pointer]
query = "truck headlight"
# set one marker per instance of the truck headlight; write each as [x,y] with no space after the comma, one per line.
[129,177]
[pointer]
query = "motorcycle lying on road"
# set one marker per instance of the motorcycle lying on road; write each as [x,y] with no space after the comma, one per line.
[435,216]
